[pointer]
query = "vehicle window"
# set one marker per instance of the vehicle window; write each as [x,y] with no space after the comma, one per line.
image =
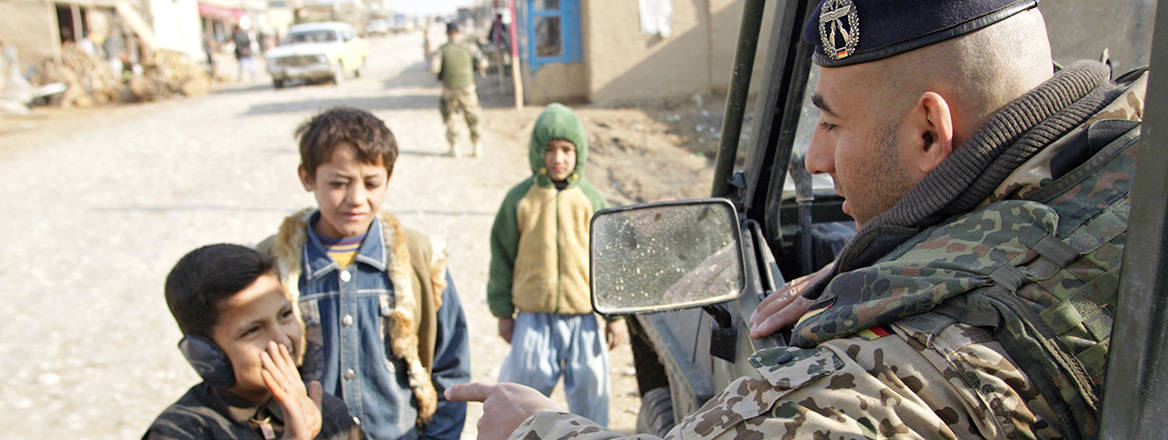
[314,36]
[808,117]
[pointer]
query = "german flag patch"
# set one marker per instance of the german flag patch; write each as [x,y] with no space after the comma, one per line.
[874,333]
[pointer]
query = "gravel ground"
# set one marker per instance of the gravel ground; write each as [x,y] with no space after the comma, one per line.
[99,204]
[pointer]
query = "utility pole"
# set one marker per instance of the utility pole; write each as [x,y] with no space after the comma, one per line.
[515,57]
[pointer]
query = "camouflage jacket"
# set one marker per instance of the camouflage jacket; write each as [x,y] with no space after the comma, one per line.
[1038,261]
[1038,253]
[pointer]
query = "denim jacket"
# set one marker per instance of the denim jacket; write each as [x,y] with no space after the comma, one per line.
[368,348]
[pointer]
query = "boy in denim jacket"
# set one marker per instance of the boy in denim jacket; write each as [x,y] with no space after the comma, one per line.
[384,325]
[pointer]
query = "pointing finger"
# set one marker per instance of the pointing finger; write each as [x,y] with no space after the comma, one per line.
[470,392]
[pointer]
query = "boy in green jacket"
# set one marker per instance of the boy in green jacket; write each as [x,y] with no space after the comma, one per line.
[538,286]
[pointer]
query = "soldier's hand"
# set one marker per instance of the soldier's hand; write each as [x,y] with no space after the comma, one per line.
[505,405]
[784,307]
[506,328]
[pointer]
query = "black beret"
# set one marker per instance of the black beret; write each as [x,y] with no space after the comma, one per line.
[848,32]
[451,27]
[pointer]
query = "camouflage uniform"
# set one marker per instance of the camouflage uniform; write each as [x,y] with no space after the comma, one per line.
[848,388]
[883,351]
[466,102]
[455,64]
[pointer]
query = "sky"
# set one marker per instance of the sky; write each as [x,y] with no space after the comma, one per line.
[428,7]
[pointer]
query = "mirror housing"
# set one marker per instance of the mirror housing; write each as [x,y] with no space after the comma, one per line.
[660,256]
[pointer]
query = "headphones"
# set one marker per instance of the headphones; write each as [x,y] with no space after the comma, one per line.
[208,360]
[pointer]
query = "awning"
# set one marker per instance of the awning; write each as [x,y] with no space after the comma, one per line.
[219,12]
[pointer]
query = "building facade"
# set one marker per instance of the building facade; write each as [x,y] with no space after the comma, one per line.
[38,28]
[614,52]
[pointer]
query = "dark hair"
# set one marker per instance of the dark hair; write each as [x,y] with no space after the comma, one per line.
[451,27]
[359,128]
[207,275]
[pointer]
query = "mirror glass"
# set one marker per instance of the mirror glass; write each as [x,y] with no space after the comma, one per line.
[665,256]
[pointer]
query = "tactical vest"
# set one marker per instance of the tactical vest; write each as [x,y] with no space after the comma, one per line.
[457,66]
[1051,295]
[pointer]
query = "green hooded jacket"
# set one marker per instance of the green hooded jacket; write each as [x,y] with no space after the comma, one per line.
[539,241]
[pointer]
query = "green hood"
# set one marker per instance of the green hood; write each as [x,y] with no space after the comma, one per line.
[557,122]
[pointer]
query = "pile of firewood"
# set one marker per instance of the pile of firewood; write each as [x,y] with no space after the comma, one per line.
[167,73]
[88,80]
[91,81]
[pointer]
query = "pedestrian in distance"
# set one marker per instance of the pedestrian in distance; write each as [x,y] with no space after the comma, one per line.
[385,328]
[990,194]
[241,335]
[455,63]
[209,51]
[243,53]
[538,283]
[427,48]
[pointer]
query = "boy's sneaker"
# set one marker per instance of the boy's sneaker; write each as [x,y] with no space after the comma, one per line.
[478,149]
[453,151]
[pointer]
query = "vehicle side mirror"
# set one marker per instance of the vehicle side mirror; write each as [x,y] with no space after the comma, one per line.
[662,256]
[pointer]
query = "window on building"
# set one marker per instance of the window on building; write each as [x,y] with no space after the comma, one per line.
[547,37]
[547,5]
[553,32]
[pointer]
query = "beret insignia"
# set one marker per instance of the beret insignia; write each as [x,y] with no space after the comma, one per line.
[839,28]
[893,27]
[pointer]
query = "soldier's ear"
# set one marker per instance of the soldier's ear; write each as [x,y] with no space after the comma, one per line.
[930,132]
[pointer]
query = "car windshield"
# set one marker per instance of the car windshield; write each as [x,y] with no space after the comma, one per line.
[313,36]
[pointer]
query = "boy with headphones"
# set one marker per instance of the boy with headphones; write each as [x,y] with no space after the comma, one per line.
[241,335]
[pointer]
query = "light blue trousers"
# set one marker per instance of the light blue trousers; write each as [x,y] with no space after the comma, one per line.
[547,345]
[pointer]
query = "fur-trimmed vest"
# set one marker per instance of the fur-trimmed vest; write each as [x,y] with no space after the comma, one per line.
[417,269]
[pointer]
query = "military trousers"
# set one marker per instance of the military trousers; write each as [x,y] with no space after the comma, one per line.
[898,382]
[465,102]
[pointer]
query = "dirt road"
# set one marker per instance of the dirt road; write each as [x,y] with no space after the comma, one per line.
[99,204]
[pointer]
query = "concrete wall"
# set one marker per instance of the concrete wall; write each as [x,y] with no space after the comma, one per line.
[621,65]
[625,65]
[725,19]
[556,82]
[176,25]
[30,27]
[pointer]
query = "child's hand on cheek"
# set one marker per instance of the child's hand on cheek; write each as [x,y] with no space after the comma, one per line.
[301,407]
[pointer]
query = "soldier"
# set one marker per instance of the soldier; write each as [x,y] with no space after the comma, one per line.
[455,64]
[991,194]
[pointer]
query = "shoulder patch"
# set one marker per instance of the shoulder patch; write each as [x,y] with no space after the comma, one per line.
[791,367]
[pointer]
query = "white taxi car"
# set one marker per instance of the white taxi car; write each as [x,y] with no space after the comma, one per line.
[317,52]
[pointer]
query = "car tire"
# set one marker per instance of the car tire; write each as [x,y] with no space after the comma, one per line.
[278,83]
[338,74]
[656,415]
